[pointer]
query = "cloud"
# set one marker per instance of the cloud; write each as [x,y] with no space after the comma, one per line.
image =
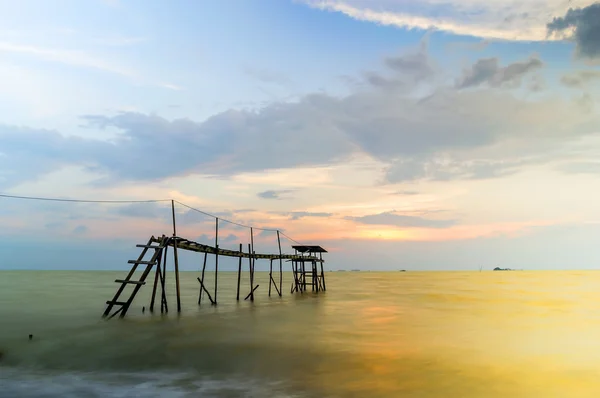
[405,193]
[409,69]
[488,70]
[296,215]
[581,25]
[402,221]
[469,137]
[445,169]
[68,57]
[580,78]
[505,20]
[273,194]
[581,167]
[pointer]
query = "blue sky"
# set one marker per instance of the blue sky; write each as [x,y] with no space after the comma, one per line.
[417,132]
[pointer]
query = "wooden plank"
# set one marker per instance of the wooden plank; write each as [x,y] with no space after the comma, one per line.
[140,262]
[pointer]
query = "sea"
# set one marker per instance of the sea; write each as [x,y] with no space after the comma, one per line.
[371,334]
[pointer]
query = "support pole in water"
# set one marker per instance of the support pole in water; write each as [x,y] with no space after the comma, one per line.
[216,256]
[239,274]
[202,280]
[280,266]
[175,257]
[270,275]
[250,269]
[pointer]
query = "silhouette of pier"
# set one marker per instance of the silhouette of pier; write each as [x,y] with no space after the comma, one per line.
[157,248]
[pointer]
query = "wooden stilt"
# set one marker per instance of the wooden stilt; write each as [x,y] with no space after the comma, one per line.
[157,275]
[250,267]
[251,294]
[202,280]
[175,258]
[252,264]
[280,266]
[239,274]
[207,293]
[216,256]
[270,275]
[163,302]
[322,272]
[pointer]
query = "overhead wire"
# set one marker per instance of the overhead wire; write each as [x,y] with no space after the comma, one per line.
[146,201]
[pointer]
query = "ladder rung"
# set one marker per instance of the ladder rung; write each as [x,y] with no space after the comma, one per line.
[116,302]
[149,246]
[132,282]
[141,262]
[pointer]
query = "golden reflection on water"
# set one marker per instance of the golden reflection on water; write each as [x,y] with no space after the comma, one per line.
[413,334]
[489,334]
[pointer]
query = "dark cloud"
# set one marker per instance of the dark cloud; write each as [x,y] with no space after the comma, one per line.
[581,78]
[402,221]
[488,70]
[273,194]
[581,25]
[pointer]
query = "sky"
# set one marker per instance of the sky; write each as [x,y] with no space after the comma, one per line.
[430,135]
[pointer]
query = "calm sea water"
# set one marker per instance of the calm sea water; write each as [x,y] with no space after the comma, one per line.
[413,334]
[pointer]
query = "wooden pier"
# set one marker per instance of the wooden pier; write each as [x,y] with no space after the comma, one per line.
[157,248]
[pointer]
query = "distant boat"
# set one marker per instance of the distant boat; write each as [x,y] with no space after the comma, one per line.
[502,269]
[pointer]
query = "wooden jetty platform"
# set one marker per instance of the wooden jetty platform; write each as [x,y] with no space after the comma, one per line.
[158,247]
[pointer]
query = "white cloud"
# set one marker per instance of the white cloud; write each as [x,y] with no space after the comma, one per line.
[491,19]
[74,58]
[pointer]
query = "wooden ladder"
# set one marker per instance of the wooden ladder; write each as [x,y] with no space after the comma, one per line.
[137,284]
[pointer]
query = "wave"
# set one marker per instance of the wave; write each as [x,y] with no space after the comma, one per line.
[26,383]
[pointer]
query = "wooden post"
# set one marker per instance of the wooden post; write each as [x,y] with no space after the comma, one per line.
[202,280]
[250,268]
[163,302]
[156,276]
[239,274]
[252,264]
[280,266]
[322,272]
[175,258]
[216,256]
[252,274]
[270,275]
